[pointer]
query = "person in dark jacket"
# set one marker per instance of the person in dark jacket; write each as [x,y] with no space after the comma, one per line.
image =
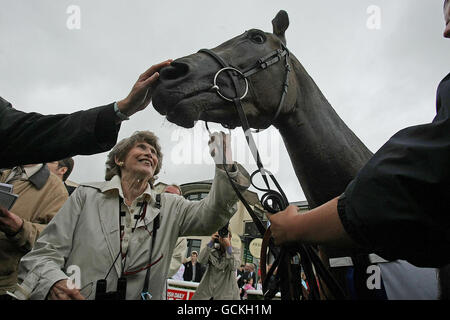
[397,206]
[240,275]
[249,273]
[35,138]
[193,270]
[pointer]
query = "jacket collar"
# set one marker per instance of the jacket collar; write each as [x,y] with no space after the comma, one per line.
[40,177]
[114,186]
[110,228]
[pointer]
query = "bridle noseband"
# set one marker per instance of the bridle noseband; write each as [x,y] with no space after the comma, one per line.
[261,64]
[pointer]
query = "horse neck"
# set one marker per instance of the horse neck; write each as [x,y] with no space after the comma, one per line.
[325,153]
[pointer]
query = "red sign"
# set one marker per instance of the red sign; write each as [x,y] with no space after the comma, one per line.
[179,294]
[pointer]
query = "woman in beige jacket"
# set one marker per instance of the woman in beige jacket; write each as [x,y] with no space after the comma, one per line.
[105,230]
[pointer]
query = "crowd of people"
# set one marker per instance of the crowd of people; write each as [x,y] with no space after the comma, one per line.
[121,230]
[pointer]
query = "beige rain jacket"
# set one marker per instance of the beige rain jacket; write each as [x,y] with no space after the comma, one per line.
[83,238]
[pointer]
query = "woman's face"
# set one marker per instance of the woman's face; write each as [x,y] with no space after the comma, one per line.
[141,160]
[447,19]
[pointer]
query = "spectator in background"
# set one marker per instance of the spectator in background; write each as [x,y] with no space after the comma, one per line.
[249,276]
[179,253]
[63,169]
[219,280]
[249,272]
[173,189]
[246,287]
[41,195]
[240,276]
[193,270]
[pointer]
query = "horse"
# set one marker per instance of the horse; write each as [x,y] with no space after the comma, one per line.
[325,153]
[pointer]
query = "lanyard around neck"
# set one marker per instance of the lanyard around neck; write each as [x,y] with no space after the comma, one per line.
[122,215]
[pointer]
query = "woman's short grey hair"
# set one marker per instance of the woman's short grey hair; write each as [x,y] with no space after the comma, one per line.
[121,150]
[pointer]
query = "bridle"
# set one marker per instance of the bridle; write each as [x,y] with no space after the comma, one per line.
[261,64]
[279,200]
[273,201]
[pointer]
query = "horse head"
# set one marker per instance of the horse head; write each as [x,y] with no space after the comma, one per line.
[184,92]
[325,153]
[250,74]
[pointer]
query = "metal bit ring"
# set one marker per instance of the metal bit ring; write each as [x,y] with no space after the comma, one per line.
[217,88]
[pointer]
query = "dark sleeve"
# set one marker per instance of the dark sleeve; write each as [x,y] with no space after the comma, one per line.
[185,272]
[34,138]
[200,271]
[399,203]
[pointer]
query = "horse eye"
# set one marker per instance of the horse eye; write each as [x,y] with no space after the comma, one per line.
[258,38]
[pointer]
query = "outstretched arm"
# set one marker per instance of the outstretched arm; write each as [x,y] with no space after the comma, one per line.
[321,226]
[36,138]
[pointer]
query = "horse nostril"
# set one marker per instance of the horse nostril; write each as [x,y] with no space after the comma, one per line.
[176,70]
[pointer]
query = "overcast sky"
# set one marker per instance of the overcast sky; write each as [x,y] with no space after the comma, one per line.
[379,80]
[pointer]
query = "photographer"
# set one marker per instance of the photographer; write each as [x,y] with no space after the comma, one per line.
[222,260]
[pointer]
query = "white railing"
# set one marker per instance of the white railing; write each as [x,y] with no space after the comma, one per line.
[181,283]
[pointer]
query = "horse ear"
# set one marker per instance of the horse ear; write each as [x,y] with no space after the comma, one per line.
[280,24]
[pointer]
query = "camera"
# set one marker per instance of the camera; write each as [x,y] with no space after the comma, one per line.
[223,232]
[120,294]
